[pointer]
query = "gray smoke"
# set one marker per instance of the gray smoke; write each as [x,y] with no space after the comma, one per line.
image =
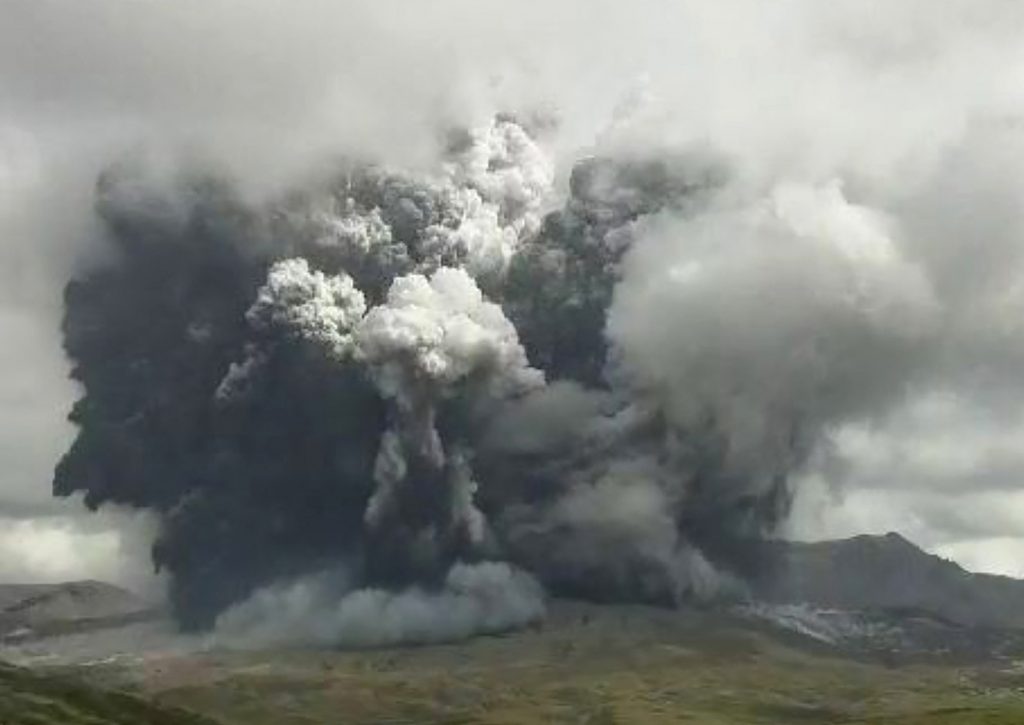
[415,373]
[350,314]
[322,610]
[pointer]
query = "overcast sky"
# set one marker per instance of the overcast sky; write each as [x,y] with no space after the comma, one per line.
[915,106]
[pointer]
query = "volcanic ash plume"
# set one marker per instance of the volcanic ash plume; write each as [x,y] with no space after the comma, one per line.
[434,340]
[402,405]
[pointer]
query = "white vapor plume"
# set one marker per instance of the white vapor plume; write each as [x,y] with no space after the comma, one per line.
[430,337]
[318,308]
[438,332]
[482,598]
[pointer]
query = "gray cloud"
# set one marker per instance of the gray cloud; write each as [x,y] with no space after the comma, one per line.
[916,111]
[323,609]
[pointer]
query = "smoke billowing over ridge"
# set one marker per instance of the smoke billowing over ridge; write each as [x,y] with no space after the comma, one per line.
[434,383]
[414,375]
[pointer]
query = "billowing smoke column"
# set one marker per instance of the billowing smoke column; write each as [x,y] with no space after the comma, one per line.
[397,406]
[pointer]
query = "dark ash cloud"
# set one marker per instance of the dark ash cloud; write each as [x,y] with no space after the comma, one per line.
[590,296]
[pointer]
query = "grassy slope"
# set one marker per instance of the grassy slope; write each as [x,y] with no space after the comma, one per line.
[665,689]
[596,667]
[28,698]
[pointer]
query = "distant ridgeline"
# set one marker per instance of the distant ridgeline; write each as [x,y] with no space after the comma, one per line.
[884,572]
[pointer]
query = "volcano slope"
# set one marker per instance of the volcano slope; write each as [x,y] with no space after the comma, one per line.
[812,648]
[30,698]
[39,610]
[585,664]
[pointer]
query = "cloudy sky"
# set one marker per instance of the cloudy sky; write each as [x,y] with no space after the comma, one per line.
[915,107]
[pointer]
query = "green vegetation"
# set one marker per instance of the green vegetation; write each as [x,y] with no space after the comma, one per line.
[600,668]
[667,689]
[587,664]
[27,698]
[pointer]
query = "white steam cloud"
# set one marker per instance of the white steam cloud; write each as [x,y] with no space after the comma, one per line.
[483,598]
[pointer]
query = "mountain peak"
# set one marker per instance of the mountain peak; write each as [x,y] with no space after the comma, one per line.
[886,572]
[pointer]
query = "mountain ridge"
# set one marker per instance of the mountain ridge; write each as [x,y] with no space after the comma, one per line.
[885,572]
[36,609]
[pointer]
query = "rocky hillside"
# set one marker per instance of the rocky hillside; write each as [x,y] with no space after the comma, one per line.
[30,609]
[886,572]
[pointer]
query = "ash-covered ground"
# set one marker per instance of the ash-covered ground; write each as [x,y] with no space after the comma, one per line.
[601,663]
[895,652]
